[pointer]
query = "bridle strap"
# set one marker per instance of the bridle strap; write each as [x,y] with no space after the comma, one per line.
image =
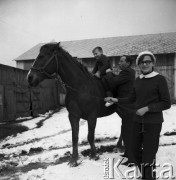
[42,70]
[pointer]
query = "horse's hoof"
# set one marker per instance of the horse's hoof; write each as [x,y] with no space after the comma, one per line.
[73,164]
[95,157]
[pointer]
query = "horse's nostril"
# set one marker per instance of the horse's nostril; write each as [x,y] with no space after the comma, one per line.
[30,79]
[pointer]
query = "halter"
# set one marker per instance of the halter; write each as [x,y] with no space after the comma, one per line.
[42,70]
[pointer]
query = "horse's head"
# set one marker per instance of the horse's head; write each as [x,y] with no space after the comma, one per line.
[45,65]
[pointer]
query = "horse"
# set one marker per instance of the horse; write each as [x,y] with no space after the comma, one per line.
[85,93]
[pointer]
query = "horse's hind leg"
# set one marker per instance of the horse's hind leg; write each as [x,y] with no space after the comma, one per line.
[91,135]
[74,121]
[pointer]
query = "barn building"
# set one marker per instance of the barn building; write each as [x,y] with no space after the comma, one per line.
[163,45]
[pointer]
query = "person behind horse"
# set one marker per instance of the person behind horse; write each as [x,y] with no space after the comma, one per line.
[151,97]
[123,84]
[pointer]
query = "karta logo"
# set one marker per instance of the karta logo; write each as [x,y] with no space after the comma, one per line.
[113,169]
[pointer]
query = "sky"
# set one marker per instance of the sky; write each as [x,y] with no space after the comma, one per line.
[25,23]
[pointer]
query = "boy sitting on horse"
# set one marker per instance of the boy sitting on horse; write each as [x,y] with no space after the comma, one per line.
[101,67]
[102,63]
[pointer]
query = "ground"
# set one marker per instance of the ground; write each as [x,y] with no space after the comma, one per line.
[42,147]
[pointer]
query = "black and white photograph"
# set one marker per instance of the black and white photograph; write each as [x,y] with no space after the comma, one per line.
[87,89]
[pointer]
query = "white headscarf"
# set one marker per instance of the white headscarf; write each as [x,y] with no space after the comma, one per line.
[153,73]
[145,53]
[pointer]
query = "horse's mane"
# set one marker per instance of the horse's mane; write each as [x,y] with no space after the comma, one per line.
[81,66]
[63,52]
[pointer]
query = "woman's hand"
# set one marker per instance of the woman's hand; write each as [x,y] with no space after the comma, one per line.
[142,111]
[110,99]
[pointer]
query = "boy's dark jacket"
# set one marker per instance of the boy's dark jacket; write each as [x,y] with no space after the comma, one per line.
[102,65]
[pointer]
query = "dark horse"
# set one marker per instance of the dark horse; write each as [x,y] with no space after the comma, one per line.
[85,93]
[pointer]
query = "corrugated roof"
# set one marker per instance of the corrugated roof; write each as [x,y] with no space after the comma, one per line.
[114,46]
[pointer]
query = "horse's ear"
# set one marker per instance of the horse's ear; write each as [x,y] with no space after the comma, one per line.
[58,44]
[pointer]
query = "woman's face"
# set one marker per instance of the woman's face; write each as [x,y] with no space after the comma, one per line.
[146,65]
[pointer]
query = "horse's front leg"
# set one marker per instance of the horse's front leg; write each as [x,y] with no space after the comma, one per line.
[74,121]
[91,137]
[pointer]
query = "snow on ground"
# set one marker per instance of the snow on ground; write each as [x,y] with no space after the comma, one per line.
[56,133]
[94,170]
[52,142]
[169,124]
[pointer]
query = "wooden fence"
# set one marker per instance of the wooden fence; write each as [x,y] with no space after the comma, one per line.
[17,99]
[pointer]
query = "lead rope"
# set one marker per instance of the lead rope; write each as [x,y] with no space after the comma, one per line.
[142,130]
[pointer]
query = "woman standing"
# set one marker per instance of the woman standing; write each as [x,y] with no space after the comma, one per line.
[151,97]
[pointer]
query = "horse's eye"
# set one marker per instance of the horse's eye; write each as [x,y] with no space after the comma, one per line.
[40,55]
